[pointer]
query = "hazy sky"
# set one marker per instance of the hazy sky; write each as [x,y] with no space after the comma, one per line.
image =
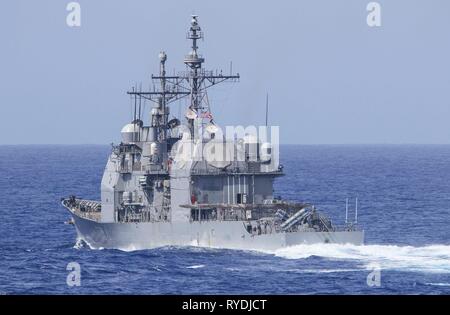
[331,77]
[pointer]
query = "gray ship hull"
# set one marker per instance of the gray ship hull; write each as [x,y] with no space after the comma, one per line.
[231,235]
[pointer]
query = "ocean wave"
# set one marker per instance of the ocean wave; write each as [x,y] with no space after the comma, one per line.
[79,244]
[439,284]
[195,266]
[432,258]
[321,270]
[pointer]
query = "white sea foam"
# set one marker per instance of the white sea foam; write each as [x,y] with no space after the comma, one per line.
[432,258]
[130,248]
[195,266]
[439,284]
[79,244]
[321,270]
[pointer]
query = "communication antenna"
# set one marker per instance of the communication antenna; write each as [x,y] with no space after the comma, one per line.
[346,210]
[131,106]
[134,112]
[191,84]
[267,108]
[140,101]
[134,115]
[140,107]
[356,210]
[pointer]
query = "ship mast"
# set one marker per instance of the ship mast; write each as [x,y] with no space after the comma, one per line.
[194,61]
[193,83]
[162,98]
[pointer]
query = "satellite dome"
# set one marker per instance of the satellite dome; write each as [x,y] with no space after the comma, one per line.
[130,128]
[191,114]
[212,128]
[130,133]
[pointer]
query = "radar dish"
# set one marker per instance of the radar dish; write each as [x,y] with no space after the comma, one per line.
[211,128]
[190,114]
[173,123]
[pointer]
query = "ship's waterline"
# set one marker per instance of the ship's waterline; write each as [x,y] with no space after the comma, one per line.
[232,235]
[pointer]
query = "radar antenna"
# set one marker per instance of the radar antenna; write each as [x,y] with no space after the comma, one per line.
[193,83]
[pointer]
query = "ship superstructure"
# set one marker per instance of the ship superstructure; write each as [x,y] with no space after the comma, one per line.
[185,182]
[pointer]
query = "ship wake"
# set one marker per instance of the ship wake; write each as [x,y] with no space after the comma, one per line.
[430,259]
[427,259]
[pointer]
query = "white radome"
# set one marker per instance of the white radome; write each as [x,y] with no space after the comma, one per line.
[130,132]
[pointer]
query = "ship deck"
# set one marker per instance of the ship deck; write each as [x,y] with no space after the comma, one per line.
[88,209]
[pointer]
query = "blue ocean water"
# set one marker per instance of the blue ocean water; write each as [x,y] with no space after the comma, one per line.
[404,194]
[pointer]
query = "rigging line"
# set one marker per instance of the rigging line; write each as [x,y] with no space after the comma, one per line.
[177,84]
[131,106]
[144,106]
[135,101]
[207,102]
[140,101]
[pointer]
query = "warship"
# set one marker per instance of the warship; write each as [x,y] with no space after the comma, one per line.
[184,182]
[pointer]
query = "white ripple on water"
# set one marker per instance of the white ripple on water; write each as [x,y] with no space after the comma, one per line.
[195,266]
[432,258]
[79,244]
[439,284]
[322,270]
